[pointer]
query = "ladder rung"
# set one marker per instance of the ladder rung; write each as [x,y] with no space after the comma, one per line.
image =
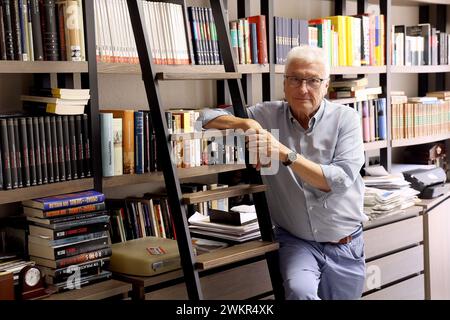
[198,76]
[206,134]
[234,253]
[238,190]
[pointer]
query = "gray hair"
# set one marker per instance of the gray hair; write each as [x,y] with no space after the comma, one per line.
[309,54]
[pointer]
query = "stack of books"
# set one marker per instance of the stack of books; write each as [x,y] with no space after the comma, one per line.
[69,238]
[56,101]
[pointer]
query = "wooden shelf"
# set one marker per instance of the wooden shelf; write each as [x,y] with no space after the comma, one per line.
[420,69]
[419,140]
[45,190]
[234,253]
[198,76]
[183,173]
[126,68]
[96,291]
[375,145]
[345,70]
[201,196]
[43,67]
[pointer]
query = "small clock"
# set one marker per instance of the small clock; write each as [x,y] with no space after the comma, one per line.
[31,283]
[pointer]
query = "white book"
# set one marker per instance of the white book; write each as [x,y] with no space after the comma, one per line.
[106,129]
[118,146]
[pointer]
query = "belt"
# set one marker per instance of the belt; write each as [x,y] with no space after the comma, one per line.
[349,238]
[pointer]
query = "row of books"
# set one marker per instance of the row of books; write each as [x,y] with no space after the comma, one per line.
[134,218]
[348,40]
[249,40]
[420,116]
[373,118]
[128,142]
[69,237]
[419,45]
[40,150]
[33,30]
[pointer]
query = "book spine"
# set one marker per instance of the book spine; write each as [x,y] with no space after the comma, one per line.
[75,210]
[87,146]
[12,153]
[77,249]
[50,38]
[37,150]
[37,31]
[19,155]
[43,141]
[2,35]
[54,145]
[85,266]
[5,155]
[61,154]
[66,140]
[74,217]
[73,147]
[93,255]
[72,24]
[22,124]
[106,127]
[17,36]
[60,7]
[9,40]
[79,146]
[139,141]
[49,149]
[31,151]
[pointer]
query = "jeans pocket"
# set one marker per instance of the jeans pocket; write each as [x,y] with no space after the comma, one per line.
[357,248]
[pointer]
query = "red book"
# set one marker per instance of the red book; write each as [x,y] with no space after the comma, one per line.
[262,37]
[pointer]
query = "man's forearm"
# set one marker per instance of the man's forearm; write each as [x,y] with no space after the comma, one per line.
[232,122]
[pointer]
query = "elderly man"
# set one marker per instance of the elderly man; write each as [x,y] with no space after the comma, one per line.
[316,197]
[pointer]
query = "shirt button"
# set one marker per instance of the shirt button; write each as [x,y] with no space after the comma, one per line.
[315,230]
[311,207]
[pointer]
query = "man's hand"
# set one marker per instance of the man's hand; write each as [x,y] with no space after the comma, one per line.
[264,147]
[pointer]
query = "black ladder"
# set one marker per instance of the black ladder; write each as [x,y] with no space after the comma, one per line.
[190,263]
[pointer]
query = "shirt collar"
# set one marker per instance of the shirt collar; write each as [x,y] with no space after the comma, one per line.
[313,120]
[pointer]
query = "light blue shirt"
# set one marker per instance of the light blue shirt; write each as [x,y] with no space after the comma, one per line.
[334,141]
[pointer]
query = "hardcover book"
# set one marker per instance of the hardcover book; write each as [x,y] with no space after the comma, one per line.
[65,200]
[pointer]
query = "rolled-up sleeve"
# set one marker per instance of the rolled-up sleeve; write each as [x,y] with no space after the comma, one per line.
[348,157]
[206,115]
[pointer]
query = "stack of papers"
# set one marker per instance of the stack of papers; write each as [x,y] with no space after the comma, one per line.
[392,181]
[200,224]
[380,203]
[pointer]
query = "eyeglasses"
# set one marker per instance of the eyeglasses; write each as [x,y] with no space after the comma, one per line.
[312,83]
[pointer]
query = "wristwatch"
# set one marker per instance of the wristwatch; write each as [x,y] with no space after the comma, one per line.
[291,157]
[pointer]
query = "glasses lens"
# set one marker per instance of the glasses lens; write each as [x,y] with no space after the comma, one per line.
[313,83]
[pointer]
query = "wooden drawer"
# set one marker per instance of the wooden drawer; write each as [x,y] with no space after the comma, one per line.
[394,267]
[394,236]
[411,289]
[238,283]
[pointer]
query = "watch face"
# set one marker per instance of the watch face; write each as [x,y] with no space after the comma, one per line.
[32,276]
[292,156]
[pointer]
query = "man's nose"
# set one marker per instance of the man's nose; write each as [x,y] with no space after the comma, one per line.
[303,86]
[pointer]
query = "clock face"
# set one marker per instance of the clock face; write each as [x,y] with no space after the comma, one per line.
[32,276]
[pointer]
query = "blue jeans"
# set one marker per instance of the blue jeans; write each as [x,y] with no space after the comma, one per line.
[313,270]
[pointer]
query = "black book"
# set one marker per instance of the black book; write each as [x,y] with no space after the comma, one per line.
[17,35]
[152,142]
[35,18]
[61,153]
[12,152]
[87,267]
[146,143]
[87,146]
[7,21]
[73,147]
[73,229]
[80,146]
[54,143]
[45,178]
[24,147]
[66,140]
[49,149]
[37,150]
[50,35]
[5,155]
[31,151]
[19,155]
[1,171]
[2,35]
